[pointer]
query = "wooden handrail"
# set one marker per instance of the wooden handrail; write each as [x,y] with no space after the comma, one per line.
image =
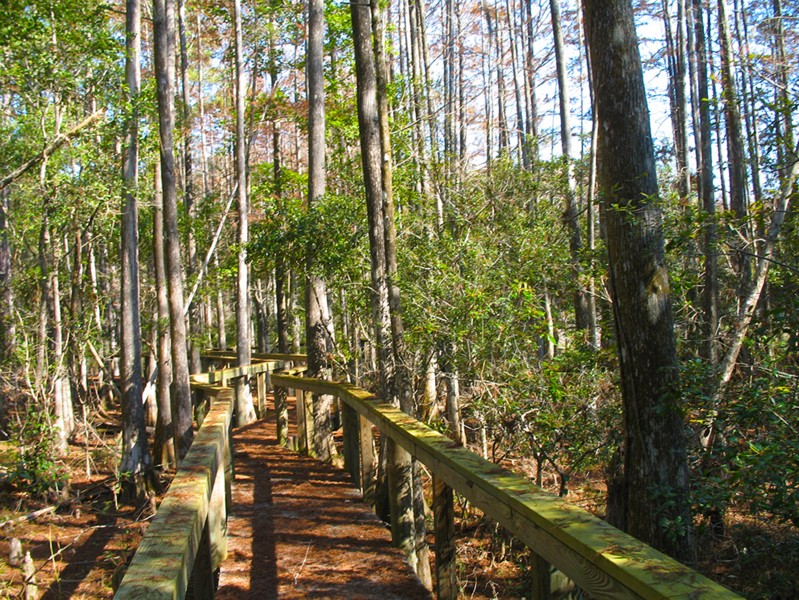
[604,561]
[186,538]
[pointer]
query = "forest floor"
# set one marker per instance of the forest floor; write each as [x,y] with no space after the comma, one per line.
[81,544]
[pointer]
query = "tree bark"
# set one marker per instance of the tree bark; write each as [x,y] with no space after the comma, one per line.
[581,316]
[245,411]
[318,332]
[164,34]
[707,197]
[654,491]
[195,323]
[675,48]
[135,463]
[7,321]
[164,443]
[399,461]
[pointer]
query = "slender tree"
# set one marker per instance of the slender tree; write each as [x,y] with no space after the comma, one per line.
[195,324]
[703,101]
[245,410]
[135,462]
[318,330]
[399,461]
[7,326]
[164,443]
[164,34]
[581,309]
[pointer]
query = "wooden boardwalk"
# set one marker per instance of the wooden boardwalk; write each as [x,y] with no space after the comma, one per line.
[298,529]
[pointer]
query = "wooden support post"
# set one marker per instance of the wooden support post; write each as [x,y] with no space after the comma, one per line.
[400,498]
[541,578]
[305,422]
[260,384]
[367,455]
[352,447]
[202,584]
[200,406]
[444,519]
[31,590]
[217,515]
[282,415]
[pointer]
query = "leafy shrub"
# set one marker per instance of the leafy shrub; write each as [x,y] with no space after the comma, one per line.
[37,469]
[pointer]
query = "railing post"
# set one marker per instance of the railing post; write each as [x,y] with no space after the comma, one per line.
[400,498]
[542,579]
[201,402]
[444,520]
[217,509]
[367,454]
[305,422]
[260,386]
[282,415]
[202,584]
[352,446]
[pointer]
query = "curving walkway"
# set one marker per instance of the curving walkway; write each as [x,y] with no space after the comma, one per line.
[298,529]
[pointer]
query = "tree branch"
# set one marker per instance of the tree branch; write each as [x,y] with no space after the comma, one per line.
[50,149]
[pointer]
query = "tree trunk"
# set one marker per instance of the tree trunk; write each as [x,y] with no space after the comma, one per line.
[399,461]
[245,411]
[675,49]
[164,444]
[708,202]
[654,491]
[318,332]
[195,323]
[735,156]
[581,316]
[7,321]
[135,463]
[164,34]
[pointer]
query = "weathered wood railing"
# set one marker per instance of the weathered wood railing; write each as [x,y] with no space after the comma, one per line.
[186,541]
[602,560]
[187,537]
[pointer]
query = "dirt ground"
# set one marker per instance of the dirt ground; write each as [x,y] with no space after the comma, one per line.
[80,544]
[298,529]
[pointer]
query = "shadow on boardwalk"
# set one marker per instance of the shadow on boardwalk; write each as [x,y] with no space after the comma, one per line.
[298,529]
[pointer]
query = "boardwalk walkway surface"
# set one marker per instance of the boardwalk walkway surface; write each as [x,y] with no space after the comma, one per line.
[298,529]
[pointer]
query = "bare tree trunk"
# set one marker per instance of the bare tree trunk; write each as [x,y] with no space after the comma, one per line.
[708,202]
[245,411]
[7,321]
[135,463]
[164,429]
[750,112]
[318,331]
[531,129]
[570,216]
[164,34]
[201,107]
[675,60]
[783,100]
[735,153]
[194,323]
[399,461]
[655,464]
[221,313]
